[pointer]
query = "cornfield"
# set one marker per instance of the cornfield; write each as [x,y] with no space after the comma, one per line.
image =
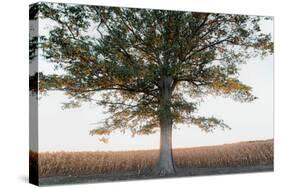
[93,163]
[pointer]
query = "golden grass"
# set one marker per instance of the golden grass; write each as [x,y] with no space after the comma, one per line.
[91,163]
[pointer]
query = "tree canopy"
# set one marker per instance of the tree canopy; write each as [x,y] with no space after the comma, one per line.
[147,63]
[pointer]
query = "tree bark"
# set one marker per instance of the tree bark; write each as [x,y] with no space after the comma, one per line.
[165,165]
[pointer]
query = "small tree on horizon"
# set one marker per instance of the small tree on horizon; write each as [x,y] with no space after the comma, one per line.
[149,65]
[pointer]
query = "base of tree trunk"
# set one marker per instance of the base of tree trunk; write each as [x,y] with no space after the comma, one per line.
[158,171]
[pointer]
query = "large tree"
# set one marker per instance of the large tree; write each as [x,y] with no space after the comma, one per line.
[149,66]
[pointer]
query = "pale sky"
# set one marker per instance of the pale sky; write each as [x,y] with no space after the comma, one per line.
[68,129]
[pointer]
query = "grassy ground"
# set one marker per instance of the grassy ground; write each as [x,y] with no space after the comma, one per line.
[228,156]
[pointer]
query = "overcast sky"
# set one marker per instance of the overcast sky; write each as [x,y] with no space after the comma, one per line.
[69,129]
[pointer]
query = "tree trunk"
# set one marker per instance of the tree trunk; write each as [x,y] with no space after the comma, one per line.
[165,165]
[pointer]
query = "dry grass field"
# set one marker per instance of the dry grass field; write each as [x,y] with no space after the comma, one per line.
[93,163]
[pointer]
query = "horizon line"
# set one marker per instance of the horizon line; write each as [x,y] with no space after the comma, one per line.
[200,146]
